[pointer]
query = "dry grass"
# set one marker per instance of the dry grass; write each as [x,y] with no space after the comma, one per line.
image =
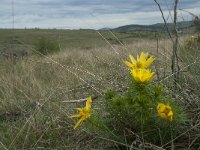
[32,115]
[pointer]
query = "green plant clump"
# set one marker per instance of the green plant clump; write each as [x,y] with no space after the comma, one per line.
[192,43]
[47,46]
[140,115]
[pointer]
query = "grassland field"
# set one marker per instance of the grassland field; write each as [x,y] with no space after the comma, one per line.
[33,88]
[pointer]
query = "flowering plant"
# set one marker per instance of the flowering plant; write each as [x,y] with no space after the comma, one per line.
[142,108]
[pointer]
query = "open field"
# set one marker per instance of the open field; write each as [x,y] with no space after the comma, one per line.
[33,88]
[83,38]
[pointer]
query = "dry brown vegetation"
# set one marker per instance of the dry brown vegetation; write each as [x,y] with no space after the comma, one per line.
[32,114]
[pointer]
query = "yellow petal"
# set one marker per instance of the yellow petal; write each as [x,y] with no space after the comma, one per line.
[80,121]
[161,107]
[129,64]
[143,57]
[80,109]
[75,116]
[168,108]
[171,118]
[138,58]
[163,115]
[170,114]
[152,75]
[141,62]
[149,61]
[88,103]
[132,59]
[142,75]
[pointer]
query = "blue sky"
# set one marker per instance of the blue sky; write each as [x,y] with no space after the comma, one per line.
[96,14]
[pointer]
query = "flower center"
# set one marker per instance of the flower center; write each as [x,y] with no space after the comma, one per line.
[139,64]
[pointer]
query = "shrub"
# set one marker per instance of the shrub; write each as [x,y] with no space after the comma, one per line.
[47,46]
[192,43]
[197,23]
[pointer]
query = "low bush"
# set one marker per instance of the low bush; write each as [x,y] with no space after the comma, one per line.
[144,113]
[47,46]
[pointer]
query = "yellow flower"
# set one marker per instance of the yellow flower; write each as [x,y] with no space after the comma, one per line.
[84,113]
[142,75]
[142,61]
[165,111]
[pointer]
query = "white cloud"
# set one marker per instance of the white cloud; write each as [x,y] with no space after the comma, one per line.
[52,14]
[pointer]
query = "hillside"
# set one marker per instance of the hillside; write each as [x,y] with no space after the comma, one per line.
[158,27]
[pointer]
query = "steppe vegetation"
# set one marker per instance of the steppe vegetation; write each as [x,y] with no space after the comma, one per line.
[36,89]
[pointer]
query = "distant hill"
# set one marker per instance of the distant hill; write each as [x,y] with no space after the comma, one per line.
[159,27]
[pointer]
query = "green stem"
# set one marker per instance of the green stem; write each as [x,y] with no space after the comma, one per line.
[172,144]
[142,127]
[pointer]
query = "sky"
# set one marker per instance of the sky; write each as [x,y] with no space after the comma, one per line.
[90,14]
